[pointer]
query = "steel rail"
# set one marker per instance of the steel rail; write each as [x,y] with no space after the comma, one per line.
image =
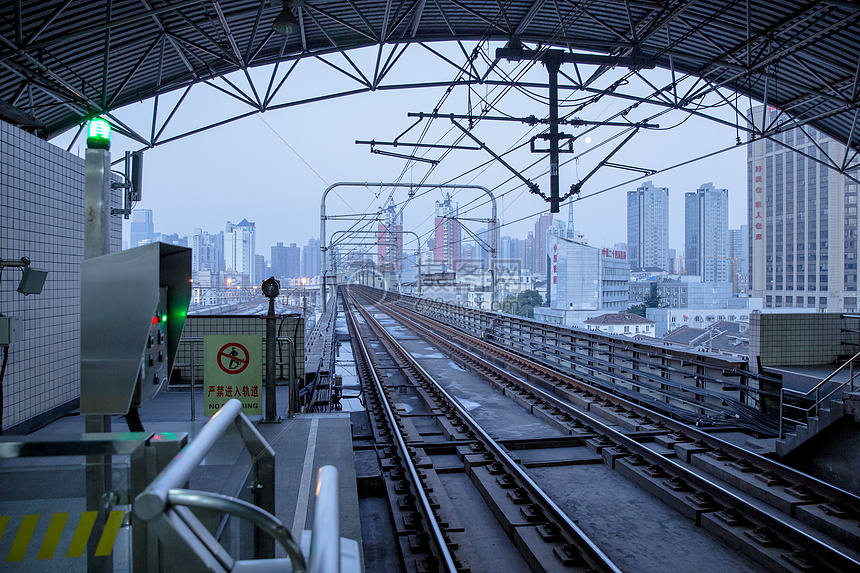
[446,557]
[836,559]
[590,551]
[818,486]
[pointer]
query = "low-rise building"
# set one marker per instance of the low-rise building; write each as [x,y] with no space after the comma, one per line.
[669,319]
[622,323]
[685,292]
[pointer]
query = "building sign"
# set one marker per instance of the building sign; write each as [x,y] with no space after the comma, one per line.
[554,260]
[233,368]
[757,205]
[614,254]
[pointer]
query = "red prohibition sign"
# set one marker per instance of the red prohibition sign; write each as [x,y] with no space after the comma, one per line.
[235,360]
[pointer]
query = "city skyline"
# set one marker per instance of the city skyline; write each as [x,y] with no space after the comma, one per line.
[530,223]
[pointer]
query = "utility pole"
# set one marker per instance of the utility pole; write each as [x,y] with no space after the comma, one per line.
[553,59]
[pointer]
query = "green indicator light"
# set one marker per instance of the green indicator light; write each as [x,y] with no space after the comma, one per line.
[163,318]
[98,134]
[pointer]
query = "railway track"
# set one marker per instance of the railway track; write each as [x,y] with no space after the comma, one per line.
[437,544]
[783,520]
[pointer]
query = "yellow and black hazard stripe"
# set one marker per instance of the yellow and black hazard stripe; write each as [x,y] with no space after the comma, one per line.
[51,541]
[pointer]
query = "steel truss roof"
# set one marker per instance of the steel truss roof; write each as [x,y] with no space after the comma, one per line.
[63,61]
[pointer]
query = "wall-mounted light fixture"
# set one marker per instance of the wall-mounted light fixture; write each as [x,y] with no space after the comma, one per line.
[32,280]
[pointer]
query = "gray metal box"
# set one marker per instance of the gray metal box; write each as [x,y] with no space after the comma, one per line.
[133,307]
[11,330]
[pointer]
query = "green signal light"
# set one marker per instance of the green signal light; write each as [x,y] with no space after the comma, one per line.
[164,318]
[98,134]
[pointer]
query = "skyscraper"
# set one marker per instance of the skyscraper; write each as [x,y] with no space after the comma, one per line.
[527,251]
[311,258]
[739,256]
[278,261]
[648,227]
[447,234]
[802,220]
[294,261]
[482,252]
[541,225]
[207,251]
[706,233]
[240,248]
[260,267]
[141,231]
[390,238]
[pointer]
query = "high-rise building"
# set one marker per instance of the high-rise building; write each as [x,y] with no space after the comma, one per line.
[447,234]
[739,257]
[171,239]
[802,220]
[141,231]
[706,233]
[389,236]
[527,251]
[482,252]
[293,262]
[648,227]
[260,268]
[239,249]
[278,260]
[311,258]
[207,252]
[541,226]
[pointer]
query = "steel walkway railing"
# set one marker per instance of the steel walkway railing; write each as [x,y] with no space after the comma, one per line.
[165,506]
[816,391]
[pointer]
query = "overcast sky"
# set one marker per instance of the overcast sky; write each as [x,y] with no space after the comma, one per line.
[272,168]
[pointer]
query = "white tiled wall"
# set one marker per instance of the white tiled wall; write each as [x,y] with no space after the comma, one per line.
[41,217]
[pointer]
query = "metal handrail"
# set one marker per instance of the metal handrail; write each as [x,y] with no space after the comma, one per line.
[817,391]
[153,502]
[192,342]
[325,532]
[244,510]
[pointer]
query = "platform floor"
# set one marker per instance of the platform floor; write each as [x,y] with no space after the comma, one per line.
[302,445]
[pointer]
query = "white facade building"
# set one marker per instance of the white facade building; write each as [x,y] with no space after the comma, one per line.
[584,281]
[239,250]
[621,324]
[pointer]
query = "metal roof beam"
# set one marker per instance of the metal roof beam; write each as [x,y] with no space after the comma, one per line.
[80,33]
[17,116]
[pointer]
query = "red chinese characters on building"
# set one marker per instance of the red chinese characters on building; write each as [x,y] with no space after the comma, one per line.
[613,254]
[757,204]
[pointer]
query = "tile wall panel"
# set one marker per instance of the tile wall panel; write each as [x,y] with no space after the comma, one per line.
[41,217]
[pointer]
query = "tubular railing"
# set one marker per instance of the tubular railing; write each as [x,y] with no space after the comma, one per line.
[165,506]
[816,391]
[325,534]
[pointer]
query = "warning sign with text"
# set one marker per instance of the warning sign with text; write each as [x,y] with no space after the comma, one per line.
[233,368]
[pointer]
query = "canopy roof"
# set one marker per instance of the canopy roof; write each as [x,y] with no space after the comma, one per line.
[62,61]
